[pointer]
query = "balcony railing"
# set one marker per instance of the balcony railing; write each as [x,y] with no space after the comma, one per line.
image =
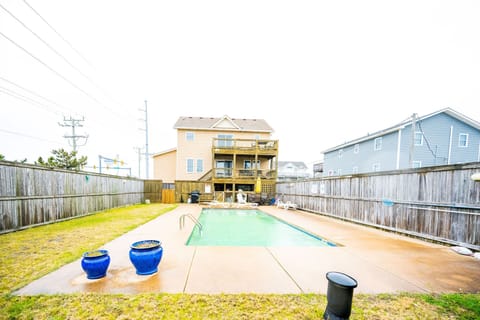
[244,173]
[245,144]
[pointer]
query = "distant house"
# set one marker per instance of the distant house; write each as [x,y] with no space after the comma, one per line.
[226,153]
[292,170]
[439,138]
[317,169]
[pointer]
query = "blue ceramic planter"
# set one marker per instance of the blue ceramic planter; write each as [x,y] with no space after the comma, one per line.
[145,256]
[95,263]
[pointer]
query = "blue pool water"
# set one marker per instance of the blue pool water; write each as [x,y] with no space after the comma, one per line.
[233,227]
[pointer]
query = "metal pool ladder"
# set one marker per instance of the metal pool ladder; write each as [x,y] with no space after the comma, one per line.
[189,215]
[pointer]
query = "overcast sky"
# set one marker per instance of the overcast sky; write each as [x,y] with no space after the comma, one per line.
[319,72]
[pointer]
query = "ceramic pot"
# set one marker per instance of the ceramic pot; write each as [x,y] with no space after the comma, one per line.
[95,263]
[145,256]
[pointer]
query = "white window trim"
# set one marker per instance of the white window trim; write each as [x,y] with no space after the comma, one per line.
[356,148]
[252,162]
[340,153]
[225,140]
[192,135]
[416,164]
[375,148]
[466,140]
[193,165]
[421,138]
[196,162]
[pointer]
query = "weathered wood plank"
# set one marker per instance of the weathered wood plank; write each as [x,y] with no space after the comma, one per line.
[31,195]
[438,203]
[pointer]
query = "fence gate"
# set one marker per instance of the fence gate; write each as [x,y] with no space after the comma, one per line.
[168,196]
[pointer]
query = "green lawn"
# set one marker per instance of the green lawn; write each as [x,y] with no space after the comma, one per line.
[44,249]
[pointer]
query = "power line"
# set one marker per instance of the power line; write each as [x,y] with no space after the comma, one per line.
[36,94]
[28,136]
[59,74]
[56,52]
[45,43]
[22,97]
[57,33]
[50,68]
[103,91]
[26,99]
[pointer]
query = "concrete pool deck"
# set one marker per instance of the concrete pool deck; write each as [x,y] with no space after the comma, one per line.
[380,261]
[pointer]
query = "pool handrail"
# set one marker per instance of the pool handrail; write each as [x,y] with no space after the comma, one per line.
[181,221]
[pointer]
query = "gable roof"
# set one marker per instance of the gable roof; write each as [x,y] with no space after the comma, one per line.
[297,164]
[401,125]
[161,153]
[223,123]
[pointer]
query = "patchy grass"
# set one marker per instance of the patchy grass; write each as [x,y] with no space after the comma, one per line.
[46,248]
[466,306]
[221,306]
[29,254]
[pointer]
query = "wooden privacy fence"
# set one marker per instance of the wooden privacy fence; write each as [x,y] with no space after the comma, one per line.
[153,190]
[31,195]
[184,188]
[436,203]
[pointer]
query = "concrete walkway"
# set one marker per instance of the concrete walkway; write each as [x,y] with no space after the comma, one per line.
[381,262]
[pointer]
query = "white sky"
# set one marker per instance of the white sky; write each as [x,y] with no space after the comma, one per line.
[319,72]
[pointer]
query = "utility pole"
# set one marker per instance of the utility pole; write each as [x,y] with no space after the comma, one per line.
[73,123]
[139,152]
[147,155]
[412,143]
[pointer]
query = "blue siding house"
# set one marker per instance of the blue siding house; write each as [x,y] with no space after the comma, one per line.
[440,138]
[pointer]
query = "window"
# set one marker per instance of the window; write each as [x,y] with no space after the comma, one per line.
[376,167]
[463,140]
[418,139]
[225,140]
[190,136]
[223,168]
[416,164]
[355,169]
[340,153]
[356,148]
[199,165]
[377,144]
[189,165]
[250,164]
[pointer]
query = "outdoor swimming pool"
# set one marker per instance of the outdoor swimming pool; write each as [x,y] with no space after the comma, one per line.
[236,227]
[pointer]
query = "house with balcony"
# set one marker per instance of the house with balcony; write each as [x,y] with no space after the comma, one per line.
[439,138]
[292,171]
[221,156]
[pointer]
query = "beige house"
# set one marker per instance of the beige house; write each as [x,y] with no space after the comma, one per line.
[226,154]
[164,165]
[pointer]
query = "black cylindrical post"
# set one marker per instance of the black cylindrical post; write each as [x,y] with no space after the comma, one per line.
[339,296]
